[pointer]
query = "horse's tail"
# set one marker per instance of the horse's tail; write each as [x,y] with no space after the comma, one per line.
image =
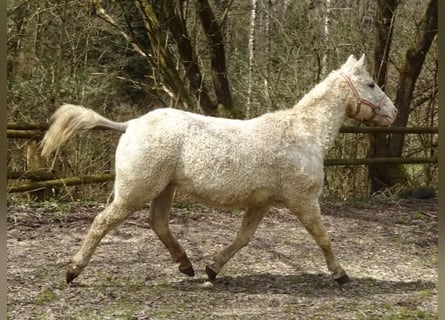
[70,118]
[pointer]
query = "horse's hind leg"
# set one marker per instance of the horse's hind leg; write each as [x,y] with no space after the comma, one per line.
[109,218]
[308,213]
[160,209]
[251,219]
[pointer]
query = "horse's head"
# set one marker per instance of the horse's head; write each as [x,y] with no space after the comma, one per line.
[370,102]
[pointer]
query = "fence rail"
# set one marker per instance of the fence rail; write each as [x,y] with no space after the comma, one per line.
[71,181]
[404,130]
[30,131]
[41,179]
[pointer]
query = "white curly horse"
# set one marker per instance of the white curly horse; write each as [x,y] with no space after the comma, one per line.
[272,160]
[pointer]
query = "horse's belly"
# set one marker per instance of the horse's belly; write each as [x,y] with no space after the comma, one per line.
[230,197]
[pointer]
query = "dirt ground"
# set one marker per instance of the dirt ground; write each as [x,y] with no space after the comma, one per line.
[388,248]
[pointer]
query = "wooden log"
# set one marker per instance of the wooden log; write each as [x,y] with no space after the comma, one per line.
[37,175]
[24,134]
[26,126]
[43,175]
[106,177]
[32,186]
[14,126]
[367,161]
[403,130]
[38,134]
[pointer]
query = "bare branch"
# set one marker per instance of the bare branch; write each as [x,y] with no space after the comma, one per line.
[101,13]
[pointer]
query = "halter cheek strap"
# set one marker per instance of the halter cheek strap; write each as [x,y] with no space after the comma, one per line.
[360,101]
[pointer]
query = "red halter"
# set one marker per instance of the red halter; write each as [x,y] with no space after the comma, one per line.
[375,108]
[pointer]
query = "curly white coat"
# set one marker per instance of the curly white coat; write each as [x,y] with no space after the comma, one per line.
[272,160]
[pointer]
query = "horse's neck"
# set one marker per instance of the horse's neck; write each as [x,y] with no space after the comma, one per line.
[323,110]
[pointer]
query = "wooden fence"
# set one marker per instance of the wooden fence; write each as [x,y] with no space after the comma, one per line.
[40,178]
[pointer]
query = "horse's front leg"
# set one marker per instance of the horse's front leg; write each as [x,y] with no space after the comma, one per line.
[251,220]
[160,208]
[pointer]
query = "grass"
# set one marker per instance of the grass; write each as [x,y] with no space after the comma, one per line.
[163,284]
[411,218]
[237,212]
[46,296]
[426,294]
[411,312]
[162,313]
[118,312]
[45,271]
[405,314]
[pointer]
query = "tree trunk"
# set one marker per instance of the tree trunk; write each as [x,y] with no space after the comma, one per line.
[384,176]
[381,175]
[385,15]
[220,77]
[414,59]
[253,12]
[163,57]
[188,56]
[267,52]
[326,35]
[319,16]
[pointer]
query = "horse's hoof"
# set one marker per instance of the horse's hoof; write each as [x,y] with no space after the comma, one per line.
[70,276]
[187,270]
[210,273]
[343,279]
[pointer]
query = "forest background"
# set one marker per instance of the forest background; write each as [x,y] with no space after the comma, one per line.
[226,58]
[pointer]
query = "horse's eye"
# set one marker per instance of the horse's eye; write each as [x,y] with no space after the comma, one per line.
[371,85]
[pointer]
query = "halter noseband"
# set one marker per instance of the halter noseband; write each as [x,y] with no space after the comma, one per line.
[375,108]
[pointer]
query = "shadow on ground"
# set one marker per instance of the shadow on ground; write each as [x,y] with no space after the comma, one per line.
[307,284]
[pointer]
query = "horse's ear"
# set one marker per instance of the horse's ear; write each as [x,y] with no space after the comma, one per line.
[361,62]
[350,60]
[349,63]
